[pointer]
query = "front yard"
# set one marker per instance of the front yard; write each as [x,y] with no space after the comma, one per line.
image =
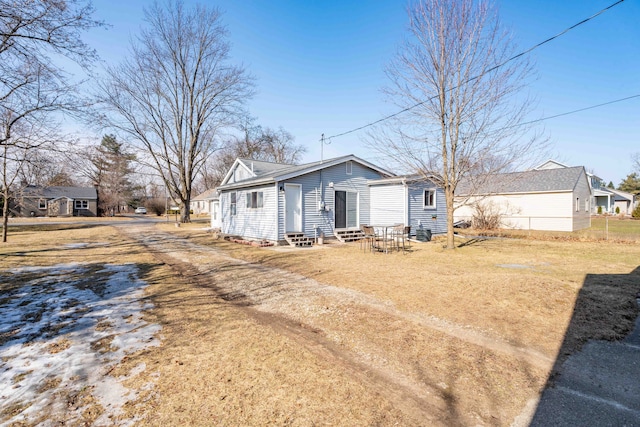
[452,337]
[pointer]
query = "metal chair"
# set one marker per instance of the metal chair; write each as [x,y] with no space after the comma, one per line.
[368,238]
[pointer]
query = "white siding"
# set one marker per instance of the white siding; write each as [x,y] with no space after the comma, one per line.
[535,211]
[250,223]
[388,204]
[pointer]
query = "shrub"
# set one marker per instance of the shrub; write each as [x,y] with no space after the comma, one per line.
[599,210]
[617,210]
[486,216]
[636,212]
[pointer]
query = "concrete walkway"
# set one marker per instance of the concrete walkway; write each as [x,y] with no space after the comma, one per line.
[598,386]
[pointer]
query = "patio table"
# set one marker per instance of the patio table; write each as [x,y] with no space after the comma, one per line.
[382,232]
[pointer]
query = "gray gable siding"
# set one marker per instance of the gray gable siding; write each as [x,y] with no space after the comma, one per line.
[582,192]
[250,222]
[315,188]
[426,218]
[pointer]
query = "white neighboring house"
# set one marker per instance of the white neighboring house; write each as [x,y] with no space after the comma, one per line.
[552,197]
[201,205]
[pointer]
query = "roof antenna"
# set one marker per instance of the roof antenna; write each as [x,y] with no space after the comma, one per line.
[322,143]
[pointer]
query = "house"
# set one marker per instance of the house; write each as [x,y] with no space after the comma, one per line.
[551,197]
[201,204]
[607,199]
[275,202]
[38,201]
[410,200]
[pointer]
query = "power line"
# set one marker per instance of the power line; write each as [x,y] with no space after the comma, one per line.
[578,110]
[495,67]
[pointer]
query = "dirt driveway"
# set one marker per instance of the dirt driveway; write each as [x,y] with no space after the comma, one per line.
[341,356]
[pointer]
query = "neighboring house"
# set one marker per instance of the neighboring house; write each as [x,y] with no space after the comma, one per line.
[550,197]
[608,199]
[409,200]
[624,201]
[269,201]
[58,201]
[201,205]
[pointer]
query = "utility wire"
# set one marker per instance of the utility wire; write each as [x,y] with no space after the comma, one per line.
[577,111]
[495,67]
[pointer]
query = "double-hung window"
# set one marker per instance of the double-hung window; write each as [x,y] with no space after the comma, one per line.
[429,199]
[232,206]
[42,204]
[81,204]
[255,199]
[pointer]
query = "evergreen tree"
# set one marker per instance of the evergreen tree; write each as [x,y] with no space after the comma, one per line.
[631,184]
[111,171]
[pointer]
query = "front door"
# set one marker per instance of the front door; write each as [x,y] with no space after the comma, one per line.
[293,208]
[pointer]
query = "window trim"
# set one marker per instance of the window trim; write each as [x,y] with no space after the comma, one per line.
[255,199]
[349,167]
[233,203]
[42,204]
[433,205]
[81,204]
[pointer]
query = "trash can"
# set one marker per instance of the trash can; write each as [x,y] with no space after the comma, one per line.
[423,235]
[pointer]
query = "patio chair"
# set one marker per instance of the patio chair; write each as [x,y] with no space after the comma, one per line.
[397,236]
[368,238]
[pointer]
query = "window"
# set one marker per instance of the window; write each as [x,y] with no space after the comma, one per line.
[429,199]
[233,203]
[81,204]
[42,204]
[255,199]
[349,167]
[586,205]
[577,204]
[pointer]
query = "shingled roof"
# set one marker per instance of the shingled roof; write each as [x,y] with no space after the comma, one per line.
[533,181]
[86,193]
[266,172]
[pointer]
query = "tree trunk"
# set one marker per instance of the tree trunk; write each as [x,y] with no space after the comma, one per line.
[5,215]
[185,215]
[449,199]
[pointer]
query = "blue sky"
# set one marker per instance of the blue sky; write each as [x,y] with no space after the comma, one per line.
[319,68]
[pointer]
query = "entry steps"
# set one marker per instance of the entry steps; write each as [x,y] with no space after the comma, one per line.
[298,239]
[349,235]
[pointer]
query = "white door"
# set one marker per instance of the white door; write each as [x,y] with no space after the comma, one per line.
[215,214]
[293,208]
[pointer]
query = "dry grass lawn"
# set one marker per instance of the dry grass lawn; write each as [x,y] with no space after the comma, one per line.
[220,364]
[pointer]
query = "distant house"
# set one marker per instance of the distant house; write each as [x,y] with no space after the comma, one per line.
[552,197]
[409,200]
[201,205]
[607,199]
[273,202]
[36,201]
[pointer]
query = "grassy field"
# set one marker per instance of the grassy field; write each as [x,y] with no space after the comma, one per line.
[523,290]
[548,295]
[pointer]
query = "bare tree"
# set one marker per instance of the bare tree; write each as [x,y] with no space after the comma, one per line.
[176,92]
[255,143]
[461,98]
[33,86]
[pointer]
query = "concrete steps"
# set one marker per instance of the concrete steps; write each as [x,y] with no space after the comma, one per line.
[298,239]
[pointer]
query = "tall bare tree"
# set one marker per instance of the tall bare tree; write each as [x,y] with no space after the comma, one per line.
[461,98]
[254,142]
[33,86]
[176,92]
